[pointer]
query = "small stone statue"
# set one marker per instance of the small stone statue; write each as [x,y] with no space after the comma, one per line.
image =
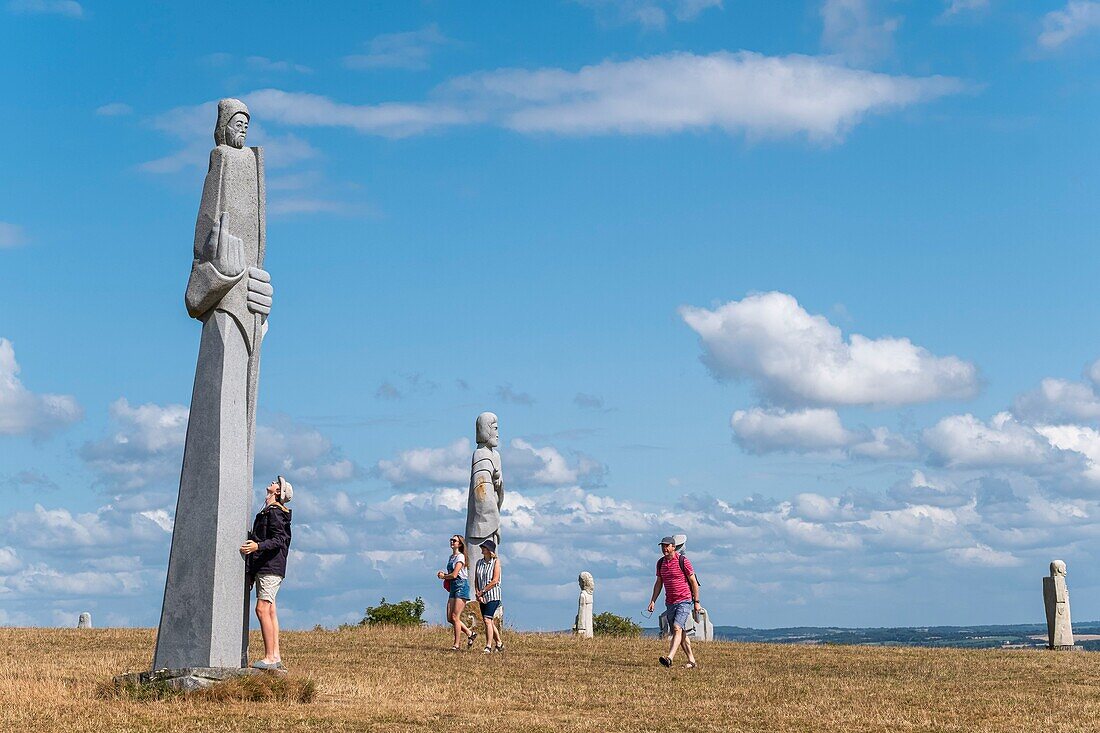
[486,485]
[1056,599]
[85,621]
[582,626]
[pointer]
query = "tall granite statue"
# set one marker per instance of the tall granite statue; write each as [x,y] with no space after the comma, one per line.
[582,625]
[204,619]
[486,485]
[84,621]
[1056,599]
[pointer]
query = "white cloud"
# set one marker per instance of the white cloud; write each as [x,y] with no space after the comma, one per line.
[24,412]
[429,466]
[1082,440]
[982,556]
[523,465]
[916,529]
[737,93]
[763,431]
[796,358]
[62,532]
[814,543]
[40,580]
[11,235]
[1076,19]
[882,444]
[9,560]
[114,109]
[533,553]
[964,441]
[410,50]
[300,453]
[161,518]
[66,8]
[1059,400]
[389,119]
[856,30]
[921,489]
[145,447]
[528,465]
[650,14]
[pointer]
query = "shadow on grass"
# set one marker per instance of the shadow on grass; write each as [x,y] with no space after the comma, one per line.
[253,688]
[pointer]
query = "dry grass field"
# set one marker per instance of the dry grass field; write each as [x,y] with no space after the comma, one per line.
[405,680]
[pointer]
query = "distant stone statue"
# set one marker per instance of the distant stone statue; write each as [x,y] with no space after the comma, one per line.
[582,625]
[204,619]
[85,621]
[1056,599]
[486,485]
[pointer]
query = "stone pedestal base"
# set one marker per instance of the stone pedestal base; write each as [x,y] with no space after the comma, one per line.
[1065,648]
[185,679]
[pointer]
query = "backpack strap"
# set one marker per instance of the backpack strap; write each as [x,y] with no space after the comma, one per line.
[683,569]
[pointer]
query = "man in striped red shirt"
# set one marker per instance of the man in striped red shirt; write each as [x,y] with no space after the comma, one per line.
[675,573]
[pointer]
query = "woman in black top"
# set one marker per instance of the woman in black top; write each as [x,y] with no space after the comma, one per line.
[265,559]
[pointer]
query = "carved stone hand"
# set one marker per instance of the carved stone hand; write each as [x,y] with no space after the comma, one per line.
[228,251]
[260,291]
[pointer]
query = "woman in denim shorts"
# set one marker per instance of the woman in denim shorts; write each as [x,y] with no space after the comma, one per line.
[456,579]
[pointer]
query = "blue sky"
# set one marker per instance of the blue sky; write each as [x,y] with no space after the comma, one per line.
[811,282]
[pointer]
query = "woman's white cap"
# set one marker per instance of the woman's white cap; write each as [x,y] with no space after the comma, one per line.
[286,491]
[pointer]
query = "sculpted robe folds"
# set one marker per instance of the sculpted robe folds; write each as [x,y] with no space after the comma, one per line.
[204,620]
[483,506]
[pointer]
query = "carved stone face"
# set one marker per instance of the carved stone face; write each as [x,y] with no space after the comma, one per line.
[236,130]
[1058,567]
[586,582]
[487,431]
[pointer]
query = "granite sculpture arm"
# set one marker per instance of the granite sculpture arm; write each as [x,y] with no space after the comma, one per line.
[216,269]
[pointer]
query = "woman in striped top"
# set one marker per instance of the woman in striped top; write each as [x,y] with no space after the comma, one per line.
[487,580]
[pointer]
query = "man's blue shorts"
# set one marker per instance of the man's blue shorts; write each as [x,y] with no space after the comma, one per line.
[677,613]
[460,588]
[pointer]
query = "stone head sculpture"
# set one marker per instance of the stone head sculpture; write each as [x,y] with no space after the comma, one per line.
[232,125]
[1058,567]
[586,581]
[487,431]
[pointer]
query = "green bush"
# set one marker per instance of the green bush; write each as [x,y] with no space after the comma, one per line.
[609,624]
[403,613]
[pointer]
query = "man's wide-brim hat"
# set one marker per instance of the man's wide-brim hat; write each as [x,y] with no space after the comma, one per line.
[226,109]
